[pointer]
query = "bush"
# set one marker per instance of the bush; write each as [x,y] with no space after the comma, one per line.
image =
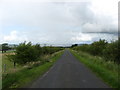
[5,47]
[102,48]
[98,47]
[111,51]
[26,52]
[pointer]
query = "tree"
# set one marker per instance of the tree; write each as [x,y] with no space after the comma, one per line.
[37,50]
[74,45]
[111,52]
[5,47]
[98,47]
[24,53]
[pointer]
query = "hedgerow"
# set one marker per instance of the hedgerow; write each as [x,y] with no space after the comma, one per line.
[102,48]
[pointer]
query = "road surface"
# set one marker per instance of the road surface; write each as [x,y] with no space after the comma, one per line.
[68,72]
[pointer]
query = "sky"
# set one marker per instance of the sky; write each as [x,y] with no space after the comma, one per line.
[60,22]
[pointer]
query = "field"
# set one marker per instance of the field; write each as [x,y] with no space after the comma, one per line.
[7,65]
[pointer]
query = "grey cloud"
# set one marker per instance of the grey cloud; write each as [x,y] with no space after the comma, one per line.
[56,22]
[92,22]
[83,14]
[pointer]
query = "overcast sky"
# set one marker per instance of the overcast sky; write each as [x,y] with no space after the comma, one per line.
[58,22]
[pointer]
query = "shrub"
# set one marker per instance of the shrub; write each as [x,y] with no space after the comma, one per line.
[110,51]
[26,52]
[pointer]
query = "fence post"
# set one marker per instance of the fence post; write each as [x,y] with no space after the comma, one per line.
[4,68]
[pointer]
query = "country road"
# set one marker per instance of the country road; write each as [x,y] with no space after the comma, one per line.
[68,72]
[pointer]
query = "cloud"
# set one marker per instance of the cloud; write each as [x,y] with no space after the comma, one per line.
[56,22]
[90,19]
[14,36]
[82,37]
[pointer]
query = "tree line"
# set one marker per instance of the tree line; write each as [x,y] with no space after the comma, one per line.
[26,52]
[109,51]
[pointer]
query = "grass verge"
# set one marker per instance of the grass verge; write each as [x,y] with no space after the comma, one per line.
[25,76]
[107,71]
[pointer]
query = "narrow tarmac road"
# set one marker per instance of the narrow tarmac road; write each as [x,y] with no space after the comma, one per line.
[68,72]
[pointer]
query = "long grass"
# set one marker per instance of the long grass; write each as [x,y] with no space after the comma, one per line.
[27,75]
[106,70]
[8,66]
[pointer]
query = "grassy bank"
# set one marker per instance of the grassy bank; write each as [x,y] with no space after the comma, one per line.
[107,71]
[27,75]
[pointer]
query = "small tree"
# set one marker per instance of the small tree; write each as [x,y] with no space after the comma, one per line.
[112,51]
[24,53]
[5,47]
[37,51]
[74,45]
[98,47]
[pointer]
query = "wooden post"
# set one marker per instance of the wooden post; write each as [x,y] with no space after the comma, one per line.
[14,65]
[4,68]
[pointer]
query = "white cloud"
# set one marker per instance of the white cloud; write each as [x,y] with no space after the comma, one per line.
[52,22]
[82,37]
[14,37]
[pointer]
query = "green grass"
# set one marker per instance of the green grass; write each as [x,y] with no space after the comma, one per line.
[9,51]
[9,65]
[107,71]
[25,76]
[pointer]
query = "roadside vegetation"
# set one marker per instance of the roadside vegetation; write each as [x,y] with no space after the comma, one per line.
[26,63]
[108,51]
[102,58]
